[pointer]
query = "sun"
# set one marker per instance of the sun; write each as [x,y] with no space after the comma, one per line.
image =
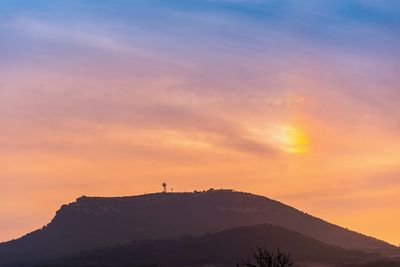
[290,139]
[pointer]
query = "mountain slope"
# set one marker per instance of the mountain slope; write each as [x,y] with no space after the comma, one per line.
[223,248]
[94,221]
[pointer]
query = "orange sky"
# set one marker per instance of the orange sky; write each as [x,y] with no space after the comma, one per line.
[313,123]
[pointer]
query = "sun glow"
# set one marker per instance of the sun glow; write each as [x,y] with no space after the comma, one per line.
[290,139]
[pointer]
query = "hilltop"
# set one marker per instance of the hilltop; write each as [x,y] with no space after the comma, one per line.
[92,222]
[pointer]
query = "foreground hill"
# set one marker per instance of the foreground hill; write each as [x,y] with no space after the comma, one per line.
[224,248]
[92,222]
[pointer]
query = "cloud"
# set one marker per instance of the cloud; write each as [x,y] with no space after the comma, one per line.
[72,33]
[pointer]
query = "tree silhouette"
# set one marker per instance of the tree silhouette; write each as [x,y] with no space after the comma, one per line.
[265,258]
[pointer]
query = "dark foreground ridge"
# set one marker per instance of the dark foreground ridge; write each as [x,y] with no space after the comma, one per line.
[93,222]
[222,249]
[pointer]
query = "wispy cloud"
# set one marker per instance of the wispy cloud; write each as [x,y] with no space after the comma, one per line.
[72,33]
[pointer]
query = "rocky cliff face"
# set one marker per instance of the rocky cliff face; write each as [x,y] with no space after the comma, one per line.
[92,222]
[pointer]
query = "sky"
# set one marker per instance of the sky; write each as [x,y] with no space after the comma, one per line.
[294,100]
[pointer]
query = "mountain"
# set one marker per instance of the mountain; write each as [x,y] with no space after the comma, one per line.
[92,222]
[223,249]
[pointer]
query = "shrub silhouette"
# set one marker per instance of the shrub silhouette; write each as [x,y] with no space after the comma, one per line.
[265,258]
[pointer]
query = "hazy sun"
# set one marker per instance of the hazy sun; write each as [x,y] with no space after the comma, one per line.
[290,139]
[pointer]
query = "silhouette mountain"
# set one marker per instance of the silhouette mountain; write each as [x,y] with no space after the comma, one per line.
[92,222]
[223,248]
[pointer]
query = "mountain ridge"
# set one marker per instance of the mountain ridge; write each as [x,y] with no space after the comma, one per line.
[92,222]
